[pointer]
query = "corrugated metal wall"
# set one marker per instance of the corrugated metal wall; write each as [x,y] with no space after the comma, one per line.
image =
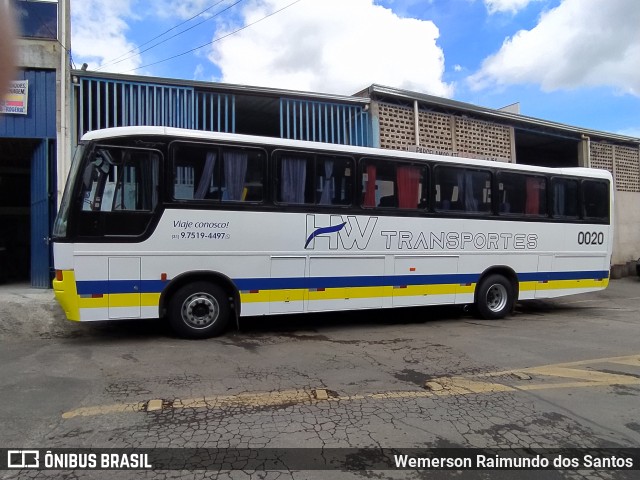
[324,122]
[215,112]
[103,103]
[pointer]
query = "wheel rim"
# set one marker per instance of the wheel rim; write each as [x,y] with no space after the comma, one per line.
[497,297]
[200,310]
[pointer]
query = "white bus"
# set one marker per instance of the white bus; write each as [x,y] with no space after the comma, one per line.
[205,227]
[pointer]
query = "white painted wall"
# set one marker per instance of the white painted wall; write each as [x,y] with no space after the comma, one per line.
[626,246]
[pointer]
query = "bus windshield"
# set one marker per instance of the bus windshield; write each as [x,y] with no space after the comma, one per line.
[60,225]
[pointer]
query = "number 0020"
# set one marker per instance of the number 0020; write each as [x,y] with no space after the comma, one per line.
[590,238]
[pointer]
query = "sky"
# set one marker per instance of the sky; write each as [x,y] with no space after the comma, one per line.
[575,62]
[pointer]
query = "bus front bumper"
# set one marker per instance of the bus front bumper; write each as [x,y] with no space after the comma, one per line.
[64,288]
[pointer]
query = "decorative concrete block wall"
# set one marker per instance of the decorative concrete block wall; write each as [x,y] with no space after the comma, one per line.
[445,134]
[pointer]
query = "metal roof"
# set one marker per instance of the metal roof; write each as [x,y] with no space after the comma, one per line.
[376,91]
[364,97]
[224,87]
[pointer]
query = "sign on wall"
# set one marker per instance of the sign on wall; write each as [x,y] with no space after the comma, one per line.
[17,99]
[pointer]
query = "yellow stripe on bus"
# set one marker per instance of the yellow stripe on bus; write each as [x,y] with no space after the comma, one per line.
[264,296]
[120,300]
[528,286]
[572,284]
[350,292]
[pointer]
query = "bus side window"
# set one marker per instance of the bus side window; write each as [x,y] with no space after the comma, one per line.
[120,191]
[462,190]
[447,194]
[134,182]
[121,179]
[313,179]
[378,184]
[333,180]
[394,185]
[195,172]
[411,183]
[476,191]
[294,174]
[242,177]
[536,196]
[564,193]
[595,200]
[521,194]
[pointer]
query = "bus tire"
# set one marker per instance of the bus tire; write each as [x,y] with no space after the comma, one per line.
[494,297]
[199,310]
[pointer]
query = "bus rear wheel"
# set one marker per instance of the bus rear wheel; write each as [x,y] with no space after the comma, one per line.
[199,310]
[494,297]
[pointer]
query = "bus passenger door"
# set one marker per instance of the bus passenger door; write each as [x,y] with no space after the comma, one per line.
[289,274]
[124,287]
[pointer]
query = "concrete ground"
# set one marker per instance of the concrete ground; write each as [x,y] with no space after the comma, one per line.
[558,373]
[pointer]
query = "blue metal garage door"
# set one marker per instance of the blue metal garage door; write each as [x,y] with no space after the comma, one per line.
[41,213]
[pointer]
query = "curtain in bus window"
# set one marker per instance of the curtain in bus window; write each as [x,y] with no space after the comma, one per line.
[327,184]
[155,180]
[470,201]
[235,172]
[533,186]
[465,185]
[408,186]
[293,179]
[148,183]
[205,179]
[558,199]
[370,188]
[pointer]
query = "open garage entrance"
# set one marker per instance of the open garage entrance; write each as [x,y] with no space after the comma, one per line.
[26,207]
[545,149]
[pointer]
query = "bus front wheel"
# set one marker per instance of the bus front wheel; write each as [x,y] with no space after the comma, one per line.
[199,310]
[494,298]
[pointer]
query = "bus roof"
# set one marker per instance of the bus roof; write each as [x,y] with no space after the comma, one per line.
[104,134]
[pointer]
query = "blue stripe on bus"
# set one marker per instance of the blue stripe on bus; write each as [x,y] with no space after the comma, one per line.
[156,286]
[105,287]
[547,276]
[342,282]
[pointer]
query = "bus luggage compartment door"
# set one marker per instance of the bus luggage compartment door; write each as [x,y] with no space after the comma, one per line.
[545,268]
[424,280]
[346,283]
[124,287]
[287,270]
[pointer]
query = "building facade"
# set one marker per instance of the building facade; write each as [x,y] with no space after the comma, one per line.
[32,139]
[61,104]
[407,120]
[378,116]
